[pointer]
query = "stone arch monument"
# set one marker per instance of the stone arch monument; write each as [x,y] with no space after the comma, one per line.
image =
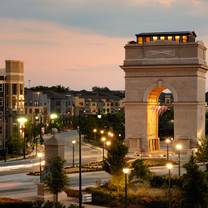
[153,63]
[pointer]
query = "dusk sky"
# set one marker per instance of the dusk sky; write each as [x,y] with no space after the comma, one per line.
[79,43]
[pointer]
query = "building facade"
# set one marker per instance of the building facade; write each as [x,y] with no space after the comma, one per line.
[11,98]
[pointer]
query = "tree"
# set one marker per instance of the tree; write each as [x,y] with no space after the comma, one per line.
[195,188]
[140,170]
[56,179]
[115,160]
[202,153]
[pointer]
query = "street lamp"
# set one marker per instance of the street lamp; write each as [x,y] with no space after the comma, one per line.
[95,131]
[108,143]
[110,134]
[22,121]
[101,131]
[73,143]
[126,172]
[53,116]
[179,147]
[169,167]
[40,155]
[103,139]
[167,141]
[99,116]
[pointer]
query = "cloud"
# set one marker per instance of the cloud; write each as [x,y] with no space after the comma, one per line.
[119,18]
[73,58]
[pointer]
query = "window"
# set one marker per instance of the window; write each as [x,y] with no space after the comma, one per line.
[30,111]
[170,38]
[1,115]
[1,88]
[185,38]
[14,103]
[177,38]
[1,101]
[21,89]
[14,89]
[162,38]
[36,110]
[140,41]
[147,39]
[155,38]
[1,130]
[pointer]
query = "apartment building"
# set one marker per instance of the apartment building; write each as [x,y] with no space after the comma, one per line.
[11,98]
[37,106]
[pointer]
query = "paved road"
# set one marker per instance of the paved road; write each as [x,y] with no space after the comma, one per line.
[89,153]
[22,186]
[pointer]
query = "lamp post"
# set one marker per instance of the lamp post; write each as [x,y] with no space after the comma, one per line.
[80,160]
[169,167]
[40,155]
[22,121]
[126,172]
[179,147]
[95,131]
[53,117]
[73,143]
[167,141]
[103,139]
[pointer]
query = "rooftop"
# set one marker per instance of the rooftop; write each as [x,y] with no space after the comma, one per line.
[167,33]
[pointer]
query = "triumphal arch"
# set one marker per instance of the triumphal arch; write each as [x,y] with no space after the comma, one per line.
[153,63]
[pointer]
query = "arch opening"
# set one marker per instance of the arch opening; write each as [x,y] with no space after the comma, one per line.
[159,114]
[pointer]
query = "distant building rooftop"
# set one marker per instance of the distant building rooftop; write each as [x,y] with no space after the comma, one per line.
[179,36]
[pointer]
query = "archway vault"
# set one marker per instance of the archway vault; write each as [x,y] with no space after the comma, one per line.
[153,118]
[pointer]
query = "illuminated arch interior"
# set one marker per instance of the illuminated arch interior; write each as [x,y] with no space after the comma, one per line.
[152,118]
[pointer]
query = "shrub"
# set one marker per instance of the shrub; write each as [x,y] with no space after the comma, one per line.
[159,181]
[140,170]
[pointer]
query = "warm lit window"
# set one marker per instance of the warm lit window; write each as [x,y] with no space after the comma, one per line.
[185,38]
[140,41]
[162,38]
[170,38]
[177,38]
[154,38]
[147,39]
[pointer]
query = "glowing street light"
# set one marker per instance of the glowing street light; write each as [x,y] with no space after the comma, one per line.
[73,143]
[101,131]
[99,116]
[179,147]
[108,143]
[22,120]
[167,141]
[126,172]
[95,132]
[110,134]
[169,167]
[40,155]
[53,116]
